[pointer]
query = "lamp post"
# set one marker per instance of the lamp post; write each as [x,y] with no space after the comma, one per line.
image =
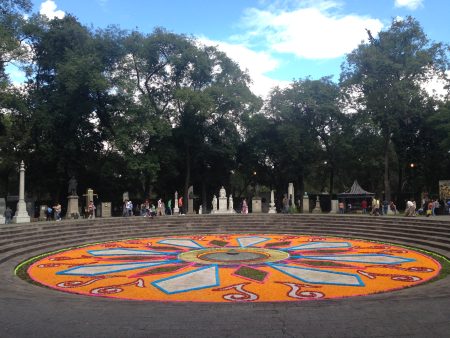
[413,179]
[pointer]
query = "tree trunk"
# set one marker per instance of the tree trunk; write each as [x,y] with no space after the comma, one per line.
[387,187]
[204,199]
[187,178]
[331,180]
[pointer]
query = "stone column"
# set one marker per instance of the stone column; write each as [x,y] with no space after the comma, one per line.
[190,209]
[72,207]
[317,209]
[21,215]
[106,209]
[334,206]
[176,210]
[272,209]
[2,210]
[291,193]
[305,204]
[256,205]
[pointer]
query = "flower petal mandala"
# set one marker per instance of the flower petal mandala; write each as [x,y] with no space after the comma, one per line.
[233,268]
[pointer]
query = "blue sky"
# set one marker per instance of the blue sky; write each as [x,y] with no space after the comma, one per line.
[276,41]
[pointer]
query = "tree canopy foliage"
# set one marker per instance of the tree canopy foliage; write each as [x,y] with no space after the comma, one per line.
[155,113]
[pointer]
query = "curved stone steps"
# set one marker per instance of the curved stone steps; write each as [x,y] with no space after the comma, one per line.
[36,248]
[18,240]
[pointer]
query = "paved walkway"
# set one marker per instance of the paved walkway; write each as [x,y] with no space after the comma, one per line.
[36,312]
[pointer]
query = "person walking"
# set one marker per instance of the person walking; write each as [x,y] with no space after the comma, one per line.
[364,206]
[169,206]
[57,209]
[393,207]
[180,205]
[285,204]
[244,209]
[130,208]
[430,211]
[8,215]
[341,207]
[91,210]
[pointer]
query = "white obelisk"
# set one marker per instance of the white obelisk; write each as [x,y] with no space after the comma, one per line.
[272,209]
[21,215]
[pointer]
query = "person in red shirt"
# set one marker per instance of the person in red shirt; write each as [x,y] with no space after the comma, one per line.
[364,206]
[180,205]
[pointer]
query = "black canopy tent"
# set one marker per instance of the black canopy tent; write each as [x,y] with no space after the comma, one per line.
[356,195]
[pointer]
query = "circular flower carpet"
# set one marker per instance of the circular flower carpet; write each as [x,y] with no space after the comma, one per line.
[233,268]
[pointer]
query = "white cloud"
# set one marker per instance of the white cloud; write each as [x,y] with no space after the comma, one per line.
[312,32]
[256,63]
[48,8]
[410,4]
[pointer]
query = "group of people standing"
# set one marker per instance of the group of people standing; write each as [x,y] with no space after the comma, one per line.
[148,209]
[376,208]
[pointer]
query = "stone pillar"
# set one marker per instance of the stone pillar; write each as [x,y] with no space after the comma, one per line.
[305,204]
[2,210]
[43,212]
[190,200]
[176,210]
[272,209]
[106,209]
[334,206]
[256,205]
[230,204]
[291,194]
[21,215]
[89,196]
[317,209]
[72,207]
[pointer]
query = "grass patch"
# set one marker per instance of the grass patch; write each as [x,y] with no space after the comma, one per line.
[322,263]
[250,273]
[218,243]
[270,245]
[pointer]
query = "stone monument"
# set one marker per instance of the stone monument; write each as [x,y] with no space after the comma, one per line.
[214,205]
[200,210]
[176,210]
[190,200]
[272,209]
[225,204]
[305,203]
[72,199]
[21,215]
[43,212]
[90,197]
[222,201]
[230,205]
[125,196]
[334,206]
[256,205]
[105,209]
[291,195]
[317,209]
[2,210]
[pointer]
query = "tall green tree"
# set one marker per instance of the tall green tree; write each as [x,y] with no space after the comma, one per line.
[386,76]
[192,95]
[68,94]
[13,51]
